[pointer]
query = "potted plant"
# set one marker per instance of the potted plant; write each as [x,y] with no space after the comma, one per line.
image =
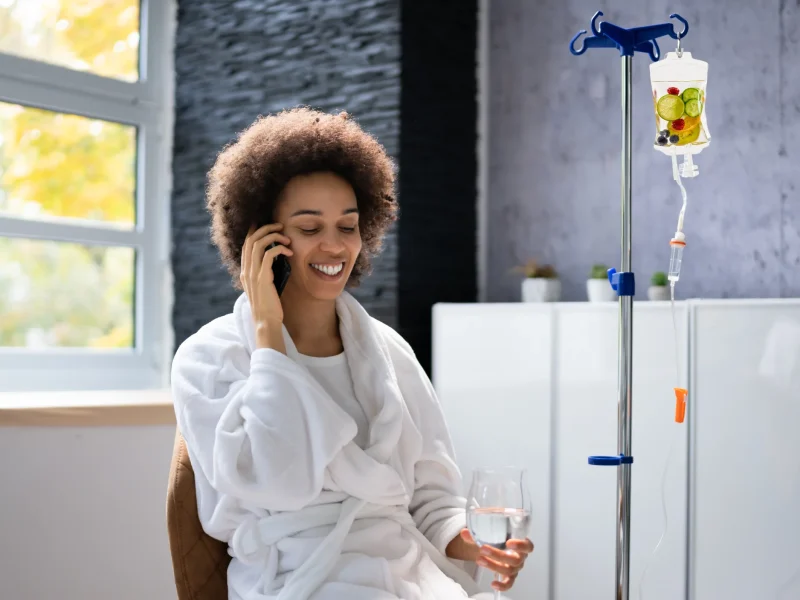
[541,283]
[659,287]
[598,288]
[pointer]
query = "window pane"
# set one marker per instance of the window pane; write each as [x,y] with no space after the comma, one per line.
[100,36]
[64,294]
[60,165]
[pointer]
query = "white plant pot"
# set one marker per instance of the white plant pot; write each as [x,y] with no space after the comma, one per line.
[539,289]
[658,292]
[600,290]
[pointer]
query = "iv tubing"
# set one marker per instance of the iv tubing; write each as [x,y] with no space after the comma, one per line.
[677,177]
[671,453]
[675,329]
[664,513]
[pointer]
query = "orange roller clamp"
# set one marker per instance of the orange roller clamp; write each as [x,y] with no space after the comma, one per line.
[680,404]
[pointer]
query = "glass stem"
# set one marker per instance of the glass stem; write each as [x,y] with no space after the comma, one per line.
[497,595]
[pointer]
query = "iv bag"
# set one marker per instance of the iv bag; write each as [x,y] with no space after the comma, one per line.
[679,98]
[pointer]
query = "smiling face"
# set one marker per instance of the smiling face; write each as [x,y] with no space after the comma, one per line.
[319,214]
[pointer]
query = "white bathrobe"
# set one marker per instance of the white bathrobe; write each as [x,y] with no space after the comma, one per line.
[307,513]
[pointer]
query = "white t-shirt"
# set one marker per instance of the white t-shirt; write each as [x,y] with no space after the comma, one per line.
[333,374]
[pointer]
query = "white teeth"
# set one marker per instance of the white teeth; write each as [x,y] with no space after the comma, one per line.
[329,269]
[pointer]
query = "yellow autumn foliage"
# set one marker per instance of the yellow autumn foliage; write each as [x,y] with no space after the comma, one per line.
[59,165]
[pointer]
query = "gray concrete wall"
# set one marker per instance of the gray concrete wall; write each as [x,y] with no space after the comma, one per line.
[554,165]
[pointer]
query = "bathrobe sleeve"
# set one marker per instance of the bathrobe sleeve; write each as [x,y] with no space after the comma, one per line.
[255,425]
[438,504]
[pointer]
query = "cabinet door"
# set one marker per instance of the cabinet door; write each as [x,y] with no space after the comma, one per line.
[585,418]
[746,448]
[491,370]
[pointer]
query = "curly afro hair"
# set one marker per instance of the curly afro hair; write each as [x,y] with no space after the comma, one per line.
[249,174]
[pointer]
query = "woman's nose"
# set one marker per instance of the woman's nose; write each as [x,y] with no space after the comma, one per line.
[332,242]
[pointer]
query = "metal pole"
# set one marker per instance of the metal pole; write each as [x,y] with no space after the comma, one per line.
[624,406]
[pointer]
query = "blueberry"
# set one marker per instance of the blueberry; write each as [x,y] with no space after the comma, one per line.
[674,139]
[661,140]
[664,132]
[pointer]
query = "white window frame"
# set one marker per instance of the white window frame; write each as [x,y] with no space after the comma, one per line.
[147,104]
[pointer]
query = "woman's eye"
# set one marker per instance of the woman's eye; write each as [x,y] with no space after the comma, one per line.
[316,230]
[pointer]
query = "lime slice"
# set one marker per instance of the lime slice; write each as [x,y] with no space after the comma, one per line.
[694,108]
[690,94]
[670,107]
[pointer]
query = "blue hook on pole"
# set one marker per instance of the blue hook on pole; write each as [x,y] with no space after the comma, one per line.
[596,16]
[599,41]
[682,34]
[628,41]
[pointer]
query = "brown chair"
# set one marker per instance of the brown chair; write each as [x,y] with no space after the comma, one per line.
[199,562]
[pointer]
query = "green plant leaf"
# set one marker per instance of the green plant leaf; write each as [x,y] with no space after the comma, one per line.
[659,278]
[599,271]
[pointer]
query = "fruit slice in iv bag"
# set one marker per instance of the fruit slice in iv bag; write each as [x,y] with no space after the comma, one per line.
[690,94]
[670,107]
[689,123]
[684,136]
[693,107]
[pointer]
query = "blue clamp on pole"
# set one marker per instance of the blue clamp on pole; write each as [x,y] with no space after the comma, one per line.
[610,461]
[622,283]
[628,41]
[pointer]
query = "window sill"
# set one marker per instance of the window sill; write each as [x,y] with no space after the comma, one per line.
[86,408]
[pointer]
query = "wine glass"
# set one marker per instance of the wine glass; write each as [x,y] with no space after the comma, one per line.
[498,507]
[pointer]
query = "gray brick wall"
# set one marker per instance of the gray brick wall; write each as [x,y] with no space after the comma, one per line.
[236,60]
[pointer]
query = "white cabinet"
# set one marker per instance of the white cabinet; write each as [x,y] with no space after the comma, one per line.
[493,373]
[584,496]
[536,385]
[745,502]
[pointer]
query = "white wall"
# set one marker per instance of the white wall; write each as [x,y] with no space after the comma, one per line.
[82,513]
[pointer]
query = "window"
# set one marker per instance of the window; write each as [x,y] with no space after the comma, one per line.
[85,132]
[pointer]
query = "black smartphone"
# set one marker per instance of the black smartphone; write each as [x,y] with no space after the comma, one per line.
[280,270]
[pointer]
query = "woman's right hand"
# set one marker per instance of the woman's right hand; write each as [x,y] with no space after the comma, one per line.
[258,283]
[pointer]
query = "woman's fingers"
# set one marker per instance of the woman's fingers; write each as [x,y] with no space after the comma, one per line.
[245,264]
[523,546]
[269,256]
[506,563]
[254,235]
[259,241]
[502,567]
[260,244]
[266,229]
[508,557]
[505,583]
[260,249]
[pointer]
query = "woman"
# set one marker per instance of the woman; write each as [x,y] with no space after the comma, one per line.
[320,450]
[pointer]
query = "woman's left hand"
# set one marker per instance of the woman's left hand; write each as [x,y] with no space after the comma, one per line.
[507,563]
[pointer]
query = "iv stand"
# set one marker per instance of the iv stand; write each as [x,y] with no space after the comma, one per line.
[627,41]
[625,380]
